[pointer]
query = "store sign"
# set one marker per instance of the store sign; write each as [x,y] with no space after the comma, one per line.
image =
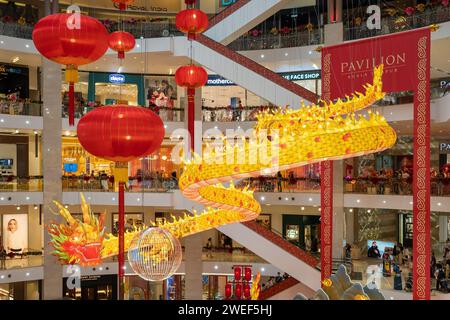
[216,80]
[302,75]
[116,78]
[4,68]
[225,3]
[444,147]
[161,6]
[444,84]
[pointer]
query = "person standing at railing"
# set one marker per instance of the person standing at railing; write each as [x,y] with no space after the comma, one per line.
[440,184]
[279,181]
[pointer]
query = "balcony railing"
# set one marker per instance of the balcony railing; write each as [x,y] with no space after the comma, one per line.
[10,183]
[399,23]
[165,113]
[21,107]
[270,41]
[87,184]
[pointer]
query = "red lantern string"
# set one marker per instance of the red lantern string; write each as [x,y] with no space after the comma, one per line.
[57,39]
[192,22]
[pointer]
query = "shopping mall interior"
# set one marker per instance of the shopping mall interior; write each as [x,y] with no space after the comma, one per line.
[95,207]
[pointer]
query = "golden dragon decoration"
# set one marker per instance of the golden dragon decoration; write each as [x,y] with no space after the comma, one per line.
[293,138]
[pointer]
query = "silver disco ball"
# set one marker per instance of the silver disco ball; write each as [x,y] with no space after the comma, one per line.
[155,254]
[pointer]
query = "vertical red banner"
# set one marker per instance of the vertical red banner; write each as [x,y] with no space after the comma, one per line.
[326,221]
[421,174]
[121,258]
[191,115]
[326,188]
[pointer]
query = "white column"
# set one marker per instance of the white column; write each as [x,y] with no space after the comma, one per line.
[194,244]
[443,228]
[51,155]
[193,267]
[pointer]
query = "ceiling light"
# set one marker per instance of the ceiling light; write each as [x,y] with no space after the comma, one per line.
[263,198]
[67,133]
[384,201]
[2,42]
[286,199]
[310,199]
[351,210]
[286,54]
[15,59]
[310,52]
[35,207]
[35,132]
[302,208]
[27,45]
[113,199]
[262,56]
[164,157]
[262,269]
[18,207]
[439,204]
[100,268]
[138,45]
[216,267]
[368,210]
[2,120]
[66,206]
[165,126]
[410,202]
[17,131]
[27,274]
[358,201]
[28,198]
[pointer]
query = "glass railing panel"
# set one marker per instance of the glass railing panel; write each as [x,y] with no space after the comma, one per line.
[12,183]
[21,107]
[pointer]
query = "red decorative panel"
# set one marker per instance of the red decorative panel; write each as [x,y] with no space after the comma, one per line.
[282,243]
[421,174]
[257,68]
[326,221]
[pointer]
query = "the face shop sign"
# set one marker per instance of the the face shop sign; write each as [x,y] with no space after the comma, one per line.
[444,147]
[116,78]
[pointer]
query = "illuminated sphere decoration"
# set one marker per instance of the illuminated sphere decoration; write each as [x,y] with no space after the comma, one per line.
[120,133]
[155,254]
[121,42]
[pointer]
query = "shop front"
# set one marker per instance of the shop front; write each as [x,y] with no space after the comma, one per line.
[92,288]
[303,231]
[223,100]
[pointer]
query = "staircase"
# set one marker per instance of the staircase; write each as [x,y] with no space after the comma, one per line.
[278,288]
[286,256]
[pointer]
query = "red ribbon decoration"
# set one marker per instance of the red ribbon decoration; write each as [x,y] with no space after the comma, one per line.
[71,104]
[121,258]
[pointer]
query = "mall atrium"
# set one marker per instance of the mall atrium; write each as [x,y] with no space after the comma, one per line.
[224,150]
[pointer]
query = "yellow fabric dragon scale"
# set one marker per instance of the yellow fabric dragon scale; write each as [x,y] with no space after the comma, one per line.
[294,138]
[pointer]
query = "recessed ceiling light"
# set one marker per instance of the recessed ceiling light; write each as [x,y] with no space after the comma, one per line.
[28,198]
[351,210]
[262,56]
[2,42]
[286,198]
[263,198]
[302,208]
[138,45]
[113,199]
[411,202]
[1,120]
[165,126]
[384,201]
[310,199]
[17,131]
[439,204]
[18,207]
[15,59]
[27,122]
[358,201]
[27,45]
[286,54]
[310,52]
[27,274]
[216,267]
[35,132]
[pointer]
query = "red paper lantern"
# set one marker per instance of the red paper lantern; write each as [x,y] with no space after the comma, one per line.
[192,22]
[120,133]
[121,42]
[247,293]
[237,273]
[72,42]
[191,77]
[123,3]
[228,290]
[238,290]
[248,274]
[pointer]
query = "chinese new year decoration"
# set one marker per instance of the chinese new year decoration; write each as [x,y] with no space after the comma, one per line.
[121,42]
[65,40]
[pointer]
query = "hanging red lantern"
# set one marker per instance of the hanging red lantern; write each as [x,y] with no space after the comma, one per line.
[121,42]
[228,290]
[247,292]
[120,133]
[191,77]
[122,3]
[237,273]
[72,42]
[192,22]
[248,274]
[238,291]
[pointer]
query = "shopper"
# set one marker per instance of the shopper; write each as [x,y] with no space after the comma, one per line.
[279,181]
[279,278]
[208,248]
[373,251]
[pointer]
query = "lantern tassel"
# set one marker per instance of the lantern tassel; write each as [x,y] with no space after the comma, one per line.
[71,104]
[122,6]
[121,55]
[191,36]
[191,114]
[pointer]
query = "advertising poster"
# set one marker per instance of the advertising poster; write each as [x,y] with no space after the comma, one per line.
[15,233]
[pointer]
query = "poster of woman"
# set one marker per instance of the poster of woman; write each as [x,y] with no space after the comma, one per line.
[15,233]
